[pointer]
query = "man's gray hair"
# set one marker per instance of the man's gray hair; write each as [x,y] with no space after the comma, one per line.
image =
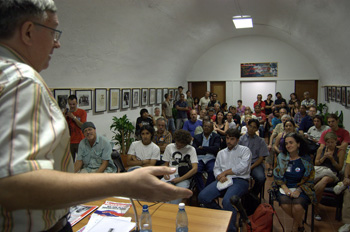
[286,116]
[15,12]
[160,119]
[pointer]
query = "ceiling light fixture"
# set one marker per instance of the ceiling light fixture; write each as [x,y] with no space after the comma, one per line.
[242,21]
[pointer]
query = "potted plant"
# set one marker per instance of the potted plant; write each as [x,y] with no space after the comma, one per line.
[123,129]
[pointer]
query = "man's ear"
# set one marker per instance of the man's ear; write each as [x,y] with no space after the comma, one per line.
[26,32]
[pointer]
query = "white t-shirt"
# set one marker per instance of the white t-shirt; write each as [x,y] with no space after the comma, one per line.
[203,102]
[144,152]
[174,155]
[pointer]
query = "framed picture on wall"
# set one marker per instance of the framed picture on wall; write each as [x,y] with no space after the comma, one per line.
[144,97]
[100,100]
[326,94]
[114,99]
[152,96]
[159,96]
[338,96]
[329,92]
[61,96]
[266,69]
[333,93]
[84,99]
[348,96]
[135,97]
[126,96]
[343,96]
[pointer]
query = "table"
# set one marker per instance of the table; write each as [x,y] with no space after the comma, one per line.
[163,218]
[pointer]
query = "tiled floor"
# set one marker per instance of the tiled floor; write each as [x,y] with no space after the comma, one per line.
[328,223]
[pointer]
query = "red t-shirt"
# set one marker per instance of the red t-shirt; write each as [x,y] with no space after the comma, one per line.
[262,105]
[76,135]
[343,136]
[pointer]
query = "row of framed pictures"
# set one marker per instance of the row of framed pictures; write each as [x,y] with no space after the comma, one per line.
[339,94]
[117,98]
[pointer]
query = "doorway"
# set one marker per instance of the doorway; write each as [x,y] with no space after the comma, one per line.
[306,85]
[219,87]
[197,89]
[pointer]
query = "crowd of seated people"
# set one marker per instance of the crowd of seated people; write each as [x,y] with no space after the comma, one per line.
[216,147]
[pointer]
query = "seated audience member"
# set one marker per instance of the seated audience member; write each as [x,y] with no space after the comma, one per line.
[230,121]
[199,129]
[268,104]
[182,108]
[223,108]
[307,121]
[235,116]
[247,112]
[220,127]
[276,119]
[278,129]
[182,156]
[292,101]
[193,123]
[345,185]
[289,127]
[211,114]
[201,115]
[308,102]
[232,166]
[328,163]
[295,109]
[143,153]
[162,137]
[207,145]
[259,151]
[196,104]
[244,128]
[294,179]
[156,116]
[342,134]
[217,108]
[94,153]
[285,106]
[260,103]
[314,133]
[300,115]
[261,117]
[144,119]
[240,108]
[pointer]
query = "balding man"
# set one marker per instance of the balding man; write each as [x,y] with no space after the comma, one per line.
[204,101]
[193,123]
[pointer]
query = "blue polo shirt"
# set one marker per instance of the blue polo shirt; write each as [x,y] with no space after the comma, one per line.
[306,123]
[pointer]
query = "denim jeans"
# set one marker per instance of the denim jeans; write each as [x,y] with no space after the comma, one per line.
[209,193]
[258,174]
[202,167]
[171,125]
[180,123]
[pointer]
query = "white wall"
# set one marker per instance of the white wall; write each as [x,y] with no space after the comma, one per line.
[222,63]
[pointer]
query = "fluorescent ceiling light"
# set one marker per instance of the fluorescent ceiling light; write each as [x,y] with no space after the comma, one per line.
[242,21]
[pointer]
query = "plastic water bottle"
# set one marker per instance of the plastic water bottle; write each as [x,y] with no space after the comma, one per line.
[145,220]
[181,219]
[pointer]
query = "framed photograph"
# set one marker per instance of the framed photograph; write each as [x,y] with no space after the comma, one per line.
[326,94]
[165,91]
[144,97]
[171,93]
[152,96]
[135,97]
[100,100]
[126,96]
[329,92]
[84,99]
[338,99]
[343,96]
[267,69]
[348,96]
[333,93]
[159,96]
[114,99]
[61,96]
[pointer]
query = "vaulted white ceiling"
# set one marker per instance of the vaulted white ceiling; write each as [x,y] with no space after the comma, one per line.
[166,37]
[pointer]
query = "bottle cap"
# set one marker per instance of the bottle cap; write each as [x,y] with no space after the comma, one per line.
[145,208]
[182,206]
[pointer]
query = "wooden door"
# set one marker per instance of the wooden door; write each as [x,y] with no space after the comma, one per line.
[302,86]
[219,87]
[197,89]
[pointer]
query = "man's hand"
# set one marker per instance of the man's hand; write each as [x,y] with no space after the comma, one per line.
[143,184]
[71,115]
[223,179]
[295,194]
[175,180]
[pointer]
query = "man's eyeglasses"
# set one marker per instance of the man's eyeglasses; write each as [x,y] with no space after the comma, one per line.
[57,33]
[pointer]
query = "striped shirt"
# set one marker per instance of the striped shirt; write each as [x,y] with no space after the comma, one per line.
[34,135]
